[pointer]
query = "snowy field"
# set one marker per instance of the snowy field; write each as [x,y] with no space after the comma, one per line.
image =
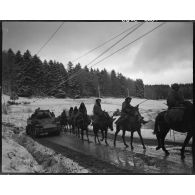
[18,114]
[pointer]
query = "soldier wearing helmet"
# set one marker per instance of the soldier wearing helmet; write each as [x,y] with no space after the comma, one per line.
[127,109]
[175,97]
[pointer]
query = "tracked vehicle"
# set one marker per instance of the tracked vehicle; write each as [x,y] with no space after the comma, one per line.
[42,122]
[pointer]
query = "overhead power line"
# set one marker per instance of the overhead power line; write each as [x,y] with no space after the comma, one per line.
[137,26]
[142,36]
[50,38]
[76,74]
[104,43]
[130,43]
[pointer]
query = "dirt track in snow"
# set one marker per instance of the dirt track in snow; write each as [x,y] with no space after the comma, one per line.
[107,159]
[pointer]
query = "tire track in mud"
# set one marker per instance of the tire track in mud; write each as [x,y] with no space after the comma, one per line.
[137,161]
[95,165]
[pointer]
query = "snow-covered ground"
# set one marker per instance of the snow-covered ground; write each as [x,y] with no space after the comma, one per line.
[19,152]
[18,114]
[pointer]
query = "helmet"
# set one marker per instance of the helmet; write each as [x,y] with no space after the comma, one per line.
[128,98]
[175,86]
[98,100]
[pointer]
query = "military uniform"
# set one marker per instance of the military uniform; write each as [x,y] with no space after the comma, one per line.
[70,112]
[127,110]
[82,113]
[83,109]
[97,112]
[175,112]
[175,99]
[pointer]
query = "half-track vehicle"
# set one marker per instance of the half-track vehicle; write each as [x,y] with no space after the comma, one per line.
[42,122]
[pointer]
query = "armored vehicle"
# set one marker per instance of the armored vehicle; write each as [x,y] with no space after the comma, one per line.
[42,122]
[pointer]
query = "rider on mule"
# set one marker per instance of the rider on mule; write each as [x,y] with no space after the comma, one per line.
[82,109]
[175,97]
[63,115]
[82,112]
[98,112]
[127,110]
[70,112]
[175,103]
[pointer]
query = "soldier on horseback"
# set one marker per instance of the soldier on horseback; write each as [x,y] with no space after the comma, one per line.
[70,111]
[175,103]
[63,119]
[127,110]
[175,97]
[82,112]
[101,121]
[178,117]
[73,117]
[82,109]
[97,111]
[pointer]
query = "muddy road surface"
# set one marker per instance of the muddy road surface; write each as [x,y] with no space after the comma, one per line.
[100,158]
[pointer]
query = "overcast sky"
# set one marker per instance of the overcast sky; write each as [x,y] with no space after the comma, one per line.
[163,57]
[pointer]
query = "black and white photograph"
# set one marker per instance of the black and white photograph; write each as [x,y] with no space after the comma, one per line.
[97,97]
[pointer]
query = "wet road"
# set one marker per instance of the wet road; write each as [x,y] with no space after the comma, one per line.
[139,160]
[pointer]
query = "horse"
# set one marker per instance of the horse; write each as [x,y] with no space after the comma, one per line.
[82,122]
[103,125]
[133,124]
[162,127]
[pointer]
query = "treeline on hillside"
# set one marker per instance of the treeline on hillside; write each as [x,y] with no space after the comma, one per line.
[27,75]
[161,91]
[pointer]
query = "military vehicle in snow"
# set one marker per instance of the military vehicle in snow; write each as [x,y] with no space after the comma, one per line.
[42,122]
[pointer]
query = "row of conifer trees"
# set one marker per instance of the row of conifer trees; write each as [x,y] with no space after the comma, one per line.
[27,75]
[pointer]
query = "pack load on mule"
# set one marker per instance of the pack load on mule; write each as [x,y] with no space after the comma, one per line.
[101,121]
[178,117]
[130,120]
[42,122]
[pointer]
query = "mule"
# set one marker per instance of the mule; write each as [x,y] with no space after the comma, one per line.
[162,127]
[81,123]
[103,125]
[132,124]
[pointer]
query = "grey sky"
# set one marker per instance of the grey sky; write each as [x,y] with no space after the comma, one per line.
[164,56]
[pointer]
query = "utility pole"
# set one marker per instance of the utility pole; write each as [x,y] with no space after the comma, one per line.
[99,90]
[127,92]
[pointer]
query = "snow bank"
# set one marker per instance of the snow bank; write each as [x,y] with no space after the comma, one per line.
[22,154]
[16,159]
[50,160]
